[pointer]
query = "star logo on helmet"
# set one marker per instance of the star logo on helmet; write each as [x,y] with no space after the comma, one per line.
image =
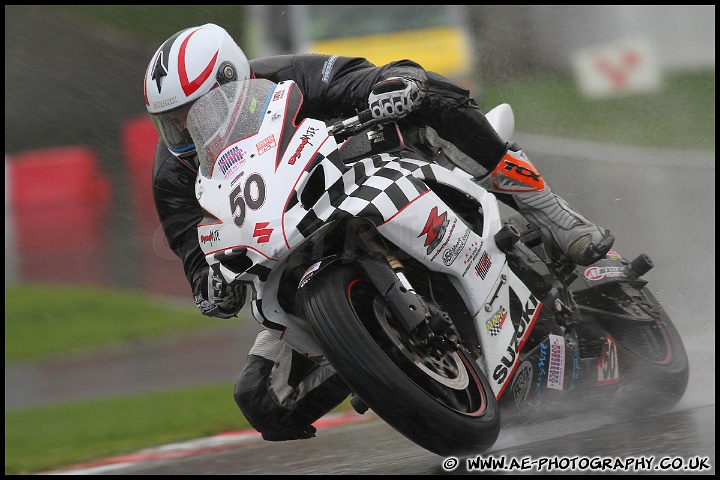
[159,71]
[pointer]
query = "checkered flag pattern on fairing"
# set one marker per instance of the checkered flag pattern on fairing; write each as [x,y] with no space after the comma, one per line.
[376,187]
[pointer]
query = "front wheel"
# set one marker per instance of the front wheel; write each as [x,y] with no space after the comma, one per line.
[440,400]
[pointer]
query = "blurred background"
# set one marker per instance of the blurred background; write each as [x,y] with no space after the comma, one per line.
[615,104]
[79,147]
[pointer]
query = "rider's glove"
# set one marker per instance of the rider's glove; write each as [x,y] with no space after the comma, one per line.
[219,299]
[395,97]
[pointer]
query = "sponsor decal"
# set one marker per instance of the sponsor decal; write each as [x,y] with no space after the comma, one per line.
[213,236]
[501,371]
[494,325]
[278,95]
[309,273]
[483,266]
[230,160]
[541,367]
[435,228]
[304,140]
[607,365]
[515,174]
[471,256]
[453,252]
[266,144]
[521,383]
[575,353]
[556,370]
[598,273]
[262,232]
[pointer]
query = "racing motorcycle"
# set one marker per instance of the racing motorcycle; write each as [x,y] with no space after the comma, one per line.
[438,311]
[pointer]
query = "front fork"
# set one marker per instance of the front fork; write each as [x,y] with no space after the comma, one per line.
[424,321]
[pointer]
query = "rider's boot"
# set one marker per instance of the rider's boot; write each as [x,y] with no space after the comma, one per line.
[576,237]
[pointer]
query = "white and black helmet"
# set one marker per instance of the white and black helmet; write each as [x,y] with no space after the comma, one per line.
[185,67]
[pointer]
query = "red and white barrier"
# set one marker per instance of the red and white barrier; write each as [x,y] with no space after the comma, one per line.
[56,207]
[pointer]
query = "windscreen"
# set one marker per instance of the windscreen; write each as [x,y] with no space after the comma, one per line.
[225,115]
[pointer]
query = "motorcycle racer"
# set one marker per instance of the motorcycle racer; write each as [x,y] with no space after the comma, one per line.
[280,392]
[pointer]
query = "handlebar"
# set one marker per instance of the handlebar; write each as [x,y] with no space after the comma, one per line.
[348,127]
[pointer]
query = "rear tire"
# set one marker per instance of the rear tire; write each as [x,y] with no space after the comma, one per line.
[440,401]
[656,366]
[653,364]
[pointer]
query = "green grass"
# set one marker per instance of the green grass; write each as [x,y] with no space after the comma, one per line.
[43,438]
[42,320]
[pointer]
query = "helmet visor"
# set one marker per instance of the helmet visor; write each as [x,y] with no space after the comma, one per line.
[172,127]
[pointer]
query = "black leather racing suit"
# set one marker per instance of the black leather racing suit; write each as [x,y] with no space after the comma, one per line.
[332,87]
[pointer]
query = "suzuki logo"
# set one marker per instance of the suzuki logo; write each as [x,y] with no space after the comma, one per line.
[262,232]
[435,229]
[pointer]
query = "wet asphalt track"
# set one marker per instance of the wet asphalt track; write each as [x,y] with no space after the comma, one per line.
[683,438]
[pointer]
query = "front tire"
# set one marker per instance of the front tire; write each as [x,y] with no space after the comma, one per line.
[441,401]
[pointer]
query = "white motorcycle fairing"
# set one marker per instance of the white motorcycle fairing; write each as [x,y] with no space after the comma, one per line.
[259,181]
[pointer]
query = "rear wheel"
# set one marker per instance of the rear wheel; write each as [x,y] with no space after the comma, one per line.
[436,397]
[652,361]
